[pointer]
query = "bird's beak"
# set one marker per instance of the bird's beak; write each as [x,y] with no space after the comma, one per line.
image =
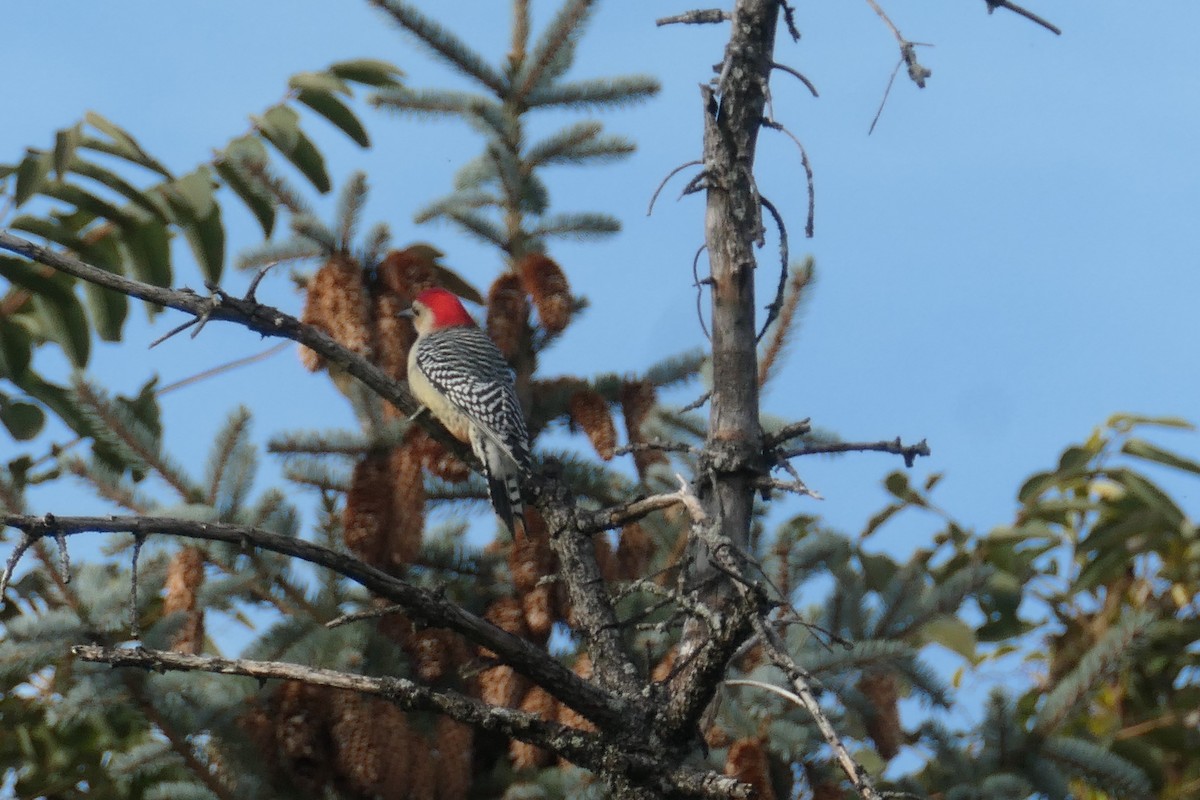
[406,313]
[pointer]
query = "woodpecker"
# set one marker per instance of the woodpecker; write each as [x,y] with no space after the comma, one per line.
[457,373]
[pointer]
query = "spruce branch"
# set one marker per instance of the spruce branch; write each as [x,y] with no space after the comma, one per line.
[443,43]
[576,226]
[116,427]
[178,742]
[559,35]
[428,607]
[601,754]
[107,483]
[472,107]
[1114,647]
[792,292]
[595,92]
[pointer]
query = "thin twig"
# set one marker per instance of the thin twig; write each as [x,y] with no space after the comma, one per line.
[699,284]
[774,307]
[64,559]
[808,174]
[787,433]
[796,486]
[777,653]
[618,516]
[356,616]
[696,184]
[798,75]
[135,628]
[687,601]
[887,91]
[220,368]
[671,174]
[13,559]
[699,401]
[176,330]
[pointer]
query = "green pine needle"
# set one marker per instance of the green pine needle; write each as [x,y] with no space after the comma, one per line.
[444,44]
[576,226]
[596,93]
[350,207]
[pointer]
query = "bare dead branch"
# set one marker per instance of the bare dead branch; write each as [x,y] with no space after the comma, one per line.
[262,319]
[776,651]
[593,751]
[658,446]
[705,16]
[787,433]
[789,18]
[426,607]
[699,401]
[356,616]
[1024,12]
[909,452]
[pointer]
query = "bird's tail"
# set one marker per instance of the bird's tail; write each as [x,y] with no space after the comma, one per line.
[504,490]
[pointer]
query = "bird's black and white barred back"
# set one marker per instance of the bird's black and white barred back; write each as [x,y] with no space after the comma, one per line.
[458,373]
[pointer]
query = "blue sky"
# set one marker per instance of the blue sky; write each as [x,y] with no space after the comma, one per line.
[1006,261]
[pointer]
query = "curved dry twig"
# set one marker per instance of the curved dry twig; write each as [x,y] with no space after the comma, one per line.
[775,305]
[671,174]
[798,75]
[808,174]
[700,284]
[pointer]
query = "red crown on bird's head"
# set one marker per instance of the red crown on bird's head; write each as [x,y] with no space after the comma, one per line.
[446,308]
